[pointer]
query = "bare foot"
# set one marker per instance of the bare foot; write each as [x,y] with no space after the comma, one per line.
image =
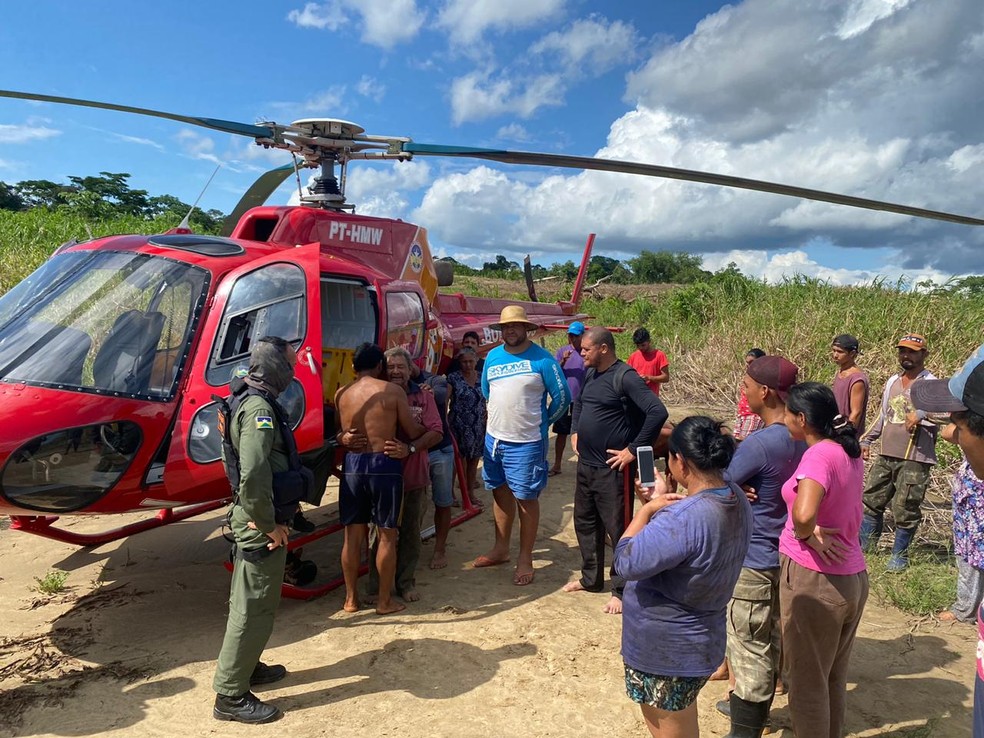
[947,616]
[574,586]
[524,577]
[614,606]
[372,599]
[553,472]
[490,559]
[351,606]
[389,608]
[411,595]
[439,560]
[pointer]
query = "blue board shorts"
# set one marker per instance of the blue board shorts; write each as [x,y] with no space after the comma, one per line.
[371,490]
[521,466]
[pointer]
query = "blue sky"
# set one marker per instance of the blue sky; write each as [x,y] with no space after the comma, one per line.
[877,98]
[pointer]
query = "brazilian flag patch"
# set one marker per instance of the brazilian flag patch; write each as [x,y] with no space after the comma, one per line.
[264,422]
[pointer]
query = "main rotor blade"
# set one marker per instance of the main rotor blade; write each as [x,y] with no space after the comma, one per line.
[654,170]
[256,195]
[226,126]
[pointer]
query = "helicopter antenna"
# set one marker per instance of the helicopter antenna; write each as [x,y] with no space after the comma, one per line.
[186,221]
[297,176]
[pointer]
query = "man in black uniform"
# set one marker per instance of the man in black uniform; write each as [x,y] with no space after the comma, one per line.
[603,437]
[261,447]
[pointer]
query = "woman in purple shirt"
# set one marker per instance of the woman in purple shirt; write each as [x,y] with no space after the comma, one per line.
[681,556]
[823,581]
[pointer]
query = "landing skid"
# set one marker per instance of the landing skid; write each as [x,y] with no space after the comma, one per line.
[44,525]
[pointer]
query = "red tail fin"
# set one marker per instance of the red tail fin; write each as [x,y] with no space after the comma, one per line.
[582,273]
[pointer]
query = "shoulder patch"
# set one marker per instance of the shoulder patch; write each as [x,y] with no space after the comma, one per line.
[264,422]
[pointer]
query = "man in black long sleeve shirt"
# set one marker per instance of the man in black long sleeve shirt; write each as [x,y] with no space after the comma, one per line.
[605,441]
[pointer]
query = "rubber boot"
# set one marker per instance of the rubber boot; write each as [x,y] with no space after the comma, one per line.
[900,555]
[748,719]
[871,530]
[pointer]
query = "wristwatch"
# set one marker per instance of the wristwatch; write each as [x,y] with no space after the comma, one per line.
[411,449]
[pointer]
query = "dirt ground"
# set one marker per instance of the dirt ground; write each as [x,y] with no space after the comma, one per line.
[128,648]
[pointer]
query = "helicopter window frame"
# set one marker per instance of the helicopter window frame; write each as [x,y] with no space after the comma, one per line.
[417,326]
[220,368]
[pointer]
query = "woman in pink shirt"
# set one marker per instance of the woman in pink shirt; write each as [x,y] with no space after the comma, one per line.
[823,582]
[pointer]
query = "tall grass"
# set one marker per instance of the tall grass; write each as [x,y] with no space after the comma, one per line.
[28,238]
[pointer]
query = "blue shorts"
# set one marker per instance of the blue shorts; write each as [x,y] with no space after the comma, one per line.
[371,490]
[442,476]
[521,466]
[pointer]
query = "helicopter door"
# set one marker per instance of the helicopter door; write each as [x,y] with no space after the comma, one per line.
[276,295]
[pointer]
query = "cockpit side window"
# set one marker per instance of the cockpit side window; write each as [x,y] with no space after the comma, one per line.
[269,301]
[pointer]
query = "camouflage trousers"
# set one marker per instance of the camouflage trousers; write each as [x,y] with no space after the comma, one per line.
[754,634]
[901,483]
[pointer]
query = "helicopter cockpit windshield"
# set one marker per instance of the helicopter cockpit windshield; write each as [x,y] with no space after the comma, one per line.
[105,322]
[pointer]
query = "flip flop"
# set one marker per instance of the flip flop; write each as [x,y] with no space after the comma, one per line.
[552,473]
[521,580]
[483,561]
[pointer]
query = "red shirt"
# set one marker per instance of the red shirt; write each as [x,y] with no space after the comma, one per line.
[651,364]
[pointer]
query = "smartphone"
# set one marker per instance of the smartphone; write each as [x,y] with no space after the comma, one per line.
[647,472]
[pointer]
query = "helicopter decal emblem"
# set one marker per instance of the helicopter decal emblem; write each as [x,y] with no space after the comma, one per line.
[416,257]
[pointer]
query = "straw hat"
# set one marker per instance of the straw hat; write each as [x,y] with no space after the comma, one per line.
[513,314]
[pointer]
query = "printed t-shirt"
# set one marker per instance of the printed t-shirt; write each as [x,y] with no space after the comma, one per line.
[652,363]
[842,479]
[516,387]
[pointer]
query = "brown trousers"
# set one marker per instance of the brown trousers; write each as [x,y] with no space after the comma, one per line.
[820,616]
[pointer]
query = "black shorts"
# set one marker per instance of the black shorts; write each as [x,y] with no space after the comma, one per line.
[563,426]
[371,490]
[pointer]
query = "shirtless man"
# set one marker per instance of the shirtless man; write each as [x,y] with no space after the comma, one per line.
[369,410]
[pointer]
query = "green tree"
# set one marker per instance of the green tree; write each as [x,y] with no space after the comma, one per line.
[501,265]
[567,270]
[677,267]
[42,193]
[10,199]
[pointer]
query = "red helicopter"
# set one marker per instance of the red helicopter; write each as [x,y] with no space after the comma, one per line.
[110,352]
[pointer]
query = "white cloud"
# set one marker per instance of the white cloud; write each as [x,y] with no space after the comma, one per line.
[327,103]
[467,20]
[384,23]
[387,23]
[17,134]
[776,267]
[513,132]
[323,16]
[136,140]
[863,13]
[889,112]
[478,96]
[594,42]
[371,87]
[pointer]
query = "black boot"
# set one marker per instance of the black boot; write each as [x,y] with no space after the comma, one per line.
[264,674]
[245,708]
[302,524]
[748,719]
